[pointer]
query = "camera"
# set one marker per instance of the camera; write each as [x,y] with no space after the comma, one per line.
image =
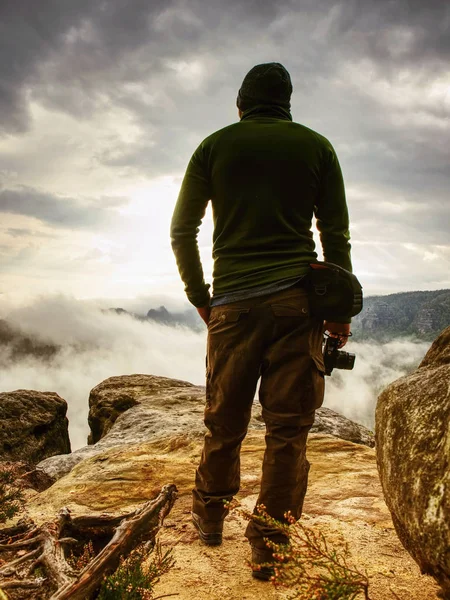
[335,358]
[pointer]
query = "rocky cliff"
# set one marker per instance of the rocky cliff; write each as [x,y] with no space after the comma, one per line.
[413,452]
[422,314]
[150,433]
[142,408]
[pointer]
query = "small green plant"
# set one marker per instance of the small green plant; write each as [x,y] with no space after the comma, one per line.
[11,496]
[309,566]
[134,581]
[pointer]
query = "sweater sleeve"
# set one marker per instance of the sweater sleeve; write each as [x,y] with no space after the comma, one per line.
[187,217]
[332,214]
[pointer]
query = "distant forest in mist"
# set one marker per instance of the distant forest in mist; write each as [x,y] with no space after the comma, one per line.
[420,314]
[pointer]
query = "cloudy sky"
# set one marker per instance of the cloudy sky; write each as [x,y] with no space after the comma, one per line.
[102,103]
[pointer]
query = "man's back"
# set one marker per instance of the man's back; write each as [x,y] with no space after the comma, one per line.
[266,176]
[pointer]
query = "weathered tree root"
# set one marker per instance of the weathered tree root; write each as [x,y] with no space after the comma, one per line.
[45,547]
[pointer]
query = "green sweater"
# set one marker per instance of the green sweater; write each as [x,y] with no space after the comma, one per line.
[266,177]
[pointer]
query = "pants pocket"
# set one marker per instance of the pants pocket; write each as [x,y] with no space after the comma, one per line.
[224,318]
[208,385]
[296,306]
[318,382]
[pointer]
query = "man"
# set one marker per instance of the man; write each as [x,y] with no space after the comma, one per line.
[266,177]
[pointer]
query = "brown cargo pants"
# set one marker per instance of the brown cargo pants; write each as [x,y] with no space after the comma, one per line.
[275,338]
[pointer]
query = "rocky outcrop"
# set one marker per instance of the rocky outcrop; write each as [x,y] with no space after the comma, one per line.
[413,455]
[344,501]
[135,409]
[160,315]
[332,423]
[425,321]
[116,395]
[33,426]
[142,408]
[376,316]
[158,438]
[420,314]
[120,478]
[439,353]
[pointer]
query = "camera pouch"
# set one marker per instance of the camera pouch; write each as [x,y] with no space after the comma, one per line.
[334,293]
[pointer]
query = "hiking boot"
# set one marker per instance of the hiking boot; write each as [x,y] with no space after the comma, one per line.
[262,556]
[210,532]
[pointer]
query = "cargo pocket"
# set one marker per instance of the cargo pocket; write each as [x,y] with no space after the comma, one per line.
[294,306]
[208,384]
[223,319]
[311,392]
[318,361]
[208,389]
[318,378]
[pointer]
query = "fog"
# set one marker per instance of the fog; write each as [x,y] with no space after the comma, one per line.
[354,393]
[95,345]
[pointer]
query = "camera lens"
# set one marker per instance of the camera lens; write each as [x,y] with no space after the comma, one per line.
[345,360]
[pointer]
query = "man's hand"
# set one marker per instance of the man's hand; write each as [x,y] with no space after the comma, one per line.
[204,312]
[336,330]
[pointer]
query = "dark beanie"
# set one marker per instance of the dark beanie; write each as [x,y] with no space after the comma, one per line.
[268,83]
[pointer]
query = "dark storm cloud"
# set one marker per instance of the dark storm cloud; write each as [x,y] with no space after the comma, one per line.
[91,36]
[428,23]
[58,211]
[72,52]
[87,56]
[30,33]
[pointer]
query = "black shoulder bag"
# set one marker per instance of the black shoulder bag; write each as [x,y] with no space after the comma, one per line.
[334,293]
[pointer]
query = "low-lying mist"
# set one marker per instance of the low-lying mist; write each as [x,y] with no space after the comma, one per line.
[93,344]
[354,393]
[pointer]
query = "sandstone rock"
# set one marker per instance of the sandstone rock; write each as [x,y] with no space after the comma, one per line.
[116,395]
[413,455]
[33,426]
[140,408]
[159,407]
[344,500]
[120,478]
[439,352]
[330,422]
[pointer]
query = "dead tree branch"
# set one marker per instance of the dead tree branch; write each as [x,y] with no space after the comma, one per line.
[44,549]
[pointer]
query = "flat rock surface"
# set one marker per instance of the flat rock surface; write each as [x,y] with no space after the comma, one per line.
[344,501]
[141,408]
[33,426]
